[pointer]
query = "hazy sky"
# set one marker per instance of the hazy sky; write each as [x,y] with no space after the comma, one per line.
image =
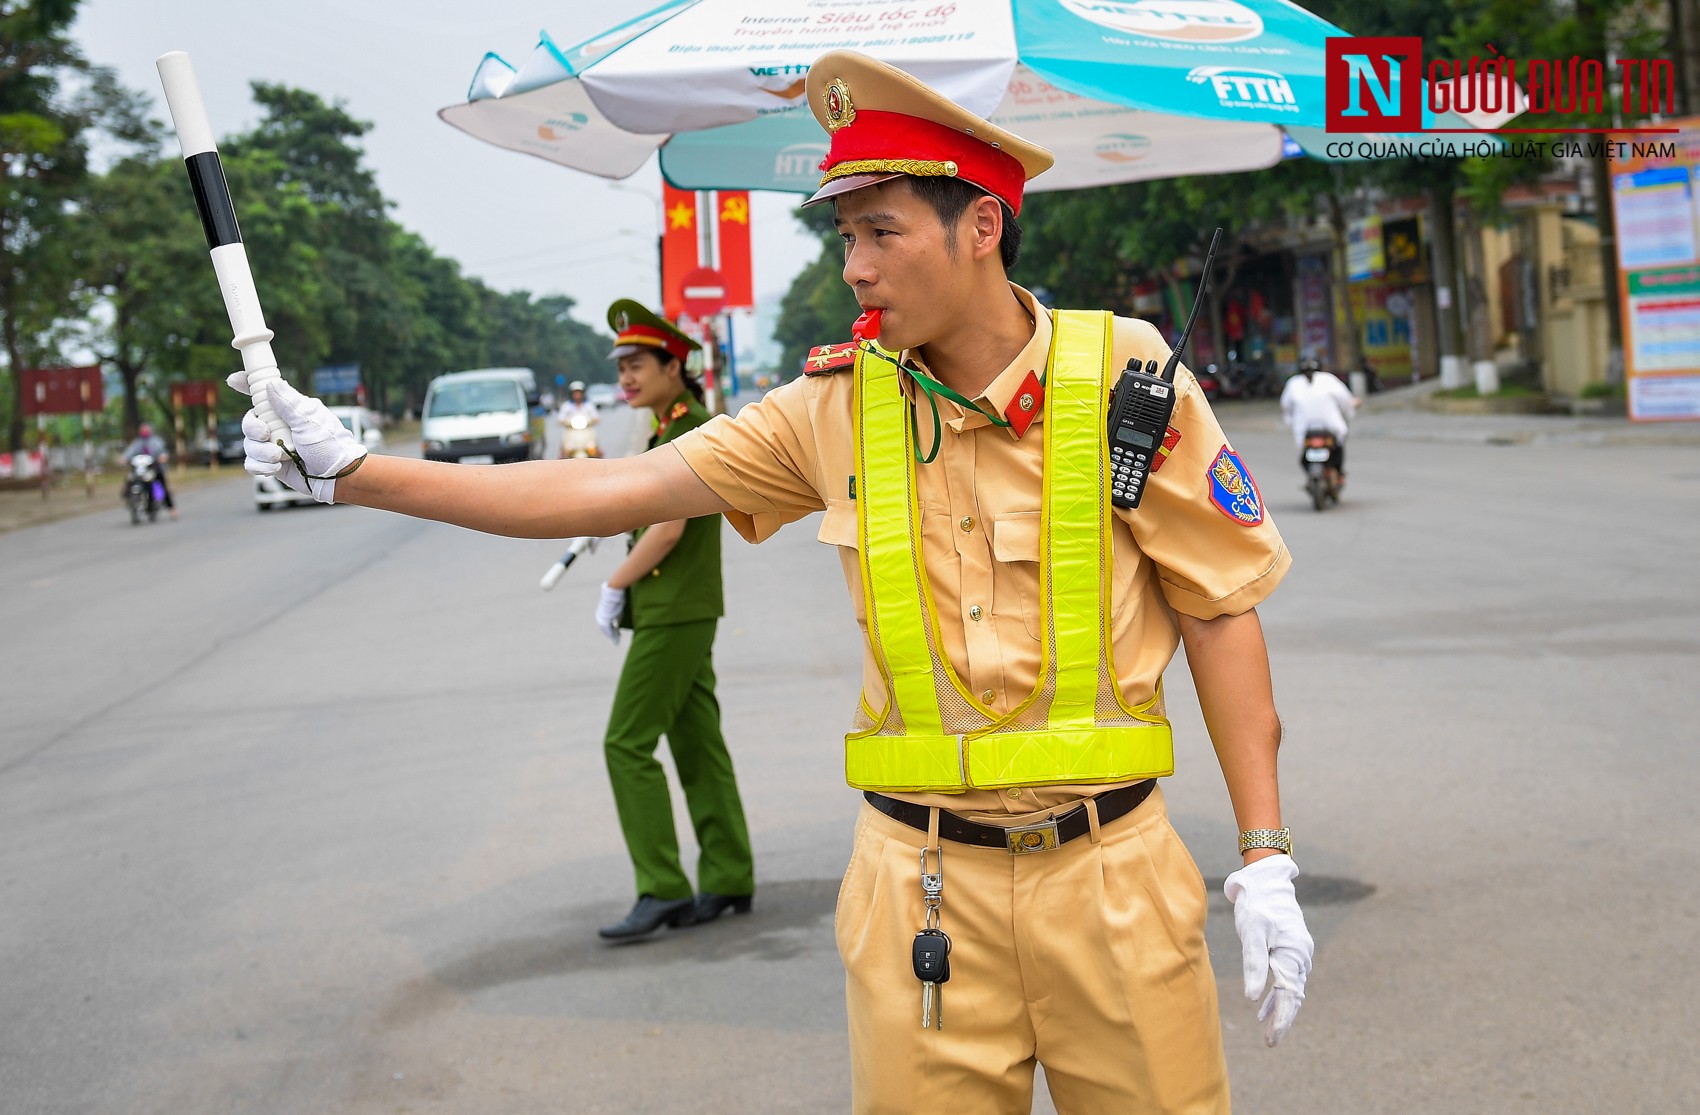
[512,220]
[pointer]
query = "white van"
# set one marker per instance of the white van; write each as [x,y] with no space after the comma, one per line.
[481,417]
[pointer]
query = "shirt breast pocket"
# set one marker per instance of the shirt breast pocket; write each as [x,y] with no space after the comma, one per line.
[1015,545]
[838,527]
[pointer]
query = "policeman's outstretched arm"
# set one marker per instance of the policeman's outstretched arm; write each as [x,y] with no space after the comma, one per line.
[531,499]
[1230,668]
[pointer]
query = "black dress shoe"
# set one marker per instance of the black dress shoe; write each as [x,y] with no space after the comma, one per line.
[650,914]
[711,906]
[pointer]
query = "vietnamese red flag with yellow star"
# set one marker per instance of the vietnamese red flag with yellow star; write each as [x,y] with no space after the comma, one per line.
[734,209]
[678,247]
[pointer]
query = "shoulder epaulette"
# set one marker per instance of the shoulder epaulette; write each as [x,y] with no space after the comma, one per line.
[825,359]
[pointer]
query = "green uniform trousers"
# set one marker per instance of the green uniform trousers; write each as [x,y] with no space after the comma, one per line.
[667,688]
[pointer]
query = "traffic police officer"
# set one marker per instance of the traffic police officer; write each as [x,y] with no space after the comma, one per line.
[668,593]
[1016,627]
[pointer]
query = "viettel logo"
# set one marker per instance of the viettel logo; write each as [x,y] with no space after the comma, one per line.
[559,127]
[1242,87]
[799,162]
[1181,21]
[784,82]
[1122,148]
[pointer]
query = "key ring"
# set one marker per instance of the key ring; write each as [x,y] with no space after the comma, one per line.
[932,885]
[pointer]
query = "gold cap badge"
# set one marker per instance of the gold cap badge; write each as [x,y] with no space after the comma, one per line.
[622,321]
[840,110]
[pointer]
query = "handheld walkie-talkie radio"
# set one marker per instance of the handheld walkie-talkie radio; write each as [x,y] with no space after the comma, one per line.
[1140,408]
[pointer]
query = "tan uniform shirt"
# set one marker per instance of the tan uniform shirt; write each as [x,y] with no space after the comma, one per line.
[793,453]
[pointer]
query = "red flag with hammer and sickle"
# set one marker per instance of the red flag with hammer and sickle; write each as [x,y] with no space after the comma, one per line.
[735,268]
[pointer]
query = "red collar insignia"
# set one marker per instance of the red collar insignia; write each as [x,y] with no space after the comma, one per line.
[679,411]
[1029,400]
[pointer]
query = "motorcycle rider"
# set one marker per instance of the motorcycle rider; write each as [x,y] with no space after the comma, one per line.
[1318,400]
[146,441]
[575,406]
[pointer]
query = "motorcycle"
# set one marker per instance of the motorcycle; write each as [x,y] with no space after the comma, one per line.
[1259,381]
[143,492]
[578,439]
[1218,383]
[1322,479]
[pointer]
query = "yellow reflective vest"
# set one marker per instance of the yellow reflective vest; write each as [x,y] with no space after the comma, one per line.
[1075,727]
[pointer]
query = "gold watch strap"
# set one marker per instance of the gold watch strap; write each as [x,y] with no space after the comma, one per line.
[1279,839]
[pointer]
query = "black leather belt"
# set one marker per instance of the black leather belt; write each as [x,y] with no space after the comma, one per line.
[1022,838]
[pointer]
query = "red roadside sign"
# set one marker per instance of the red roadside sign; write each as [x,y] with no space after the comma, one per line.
[62,390]
[704,292]
[194,393]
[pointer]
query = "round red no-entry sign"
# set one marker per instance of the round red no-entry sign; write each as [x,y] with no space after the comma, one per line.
[703,292]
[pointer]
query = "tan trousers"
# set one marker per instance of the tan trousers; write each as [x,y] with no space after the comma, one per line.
[1088,958]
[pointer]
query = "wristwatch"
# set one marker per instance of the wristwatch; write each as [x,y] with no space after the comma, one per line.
[1279,839]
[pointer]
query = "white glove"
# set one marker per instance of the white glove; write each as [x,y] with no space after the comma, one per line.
[1277,946]
[608,610]
[323,446]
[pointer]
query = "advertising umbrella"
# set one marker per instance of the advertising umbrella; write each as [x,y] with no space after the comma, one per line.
[1119,90]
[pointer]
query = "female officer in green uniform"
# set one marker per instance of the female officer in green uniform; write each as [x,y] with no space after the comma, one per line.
[668,592]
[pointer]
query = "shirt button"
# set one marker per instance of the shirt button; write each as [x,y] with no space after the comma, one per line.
[988,697]
[1015,791]
[967,523]
[975,612]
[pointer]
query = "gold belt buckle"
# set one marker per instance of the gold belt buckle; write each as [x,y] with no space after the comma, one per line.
[1041,837]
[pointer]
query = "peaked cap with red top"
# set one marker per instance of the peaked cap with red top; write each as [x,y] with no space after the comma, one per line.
[884,124]
[636,328]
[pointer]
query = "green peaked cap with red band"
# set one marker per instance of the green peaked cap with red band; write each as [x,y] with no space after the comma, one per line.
[636,328]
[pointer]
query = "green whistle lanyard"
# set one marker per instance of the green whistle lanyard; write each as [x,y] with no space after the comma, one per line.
[932,388]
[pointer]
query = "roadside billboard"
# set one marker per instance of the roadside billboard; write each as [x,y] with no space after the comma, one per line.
[1656,199]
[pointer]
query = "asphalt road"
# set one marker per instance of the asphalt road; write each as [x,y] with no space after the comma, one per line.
[305,812]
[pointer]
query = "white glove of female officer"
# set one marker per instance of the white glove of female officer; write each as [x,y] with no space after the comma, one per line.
[1276,944]
[608,609]
[323,445]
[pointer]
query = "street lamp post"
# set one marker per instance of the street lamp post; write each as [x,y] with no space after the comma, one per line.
[660,230]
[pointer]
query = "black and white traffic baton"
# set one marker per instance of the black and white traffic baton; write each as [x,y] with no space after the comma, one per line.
[218,220]
[574,549]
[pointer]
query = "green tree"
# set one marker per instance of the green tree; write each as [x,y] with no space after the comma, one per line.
[137,247]
[313,152]
[51,103]
[818,308]
[1090,248]
[1600,30]
[541,334]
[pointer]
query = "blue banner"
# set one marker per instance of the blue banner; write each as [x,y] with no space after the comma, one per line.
[336,379]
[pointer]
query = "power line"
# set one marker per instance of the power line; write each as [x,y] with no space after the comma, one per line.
[532,253]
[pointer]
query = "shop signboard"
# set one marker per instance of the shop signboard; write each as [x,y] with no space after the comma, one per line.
[1656,200]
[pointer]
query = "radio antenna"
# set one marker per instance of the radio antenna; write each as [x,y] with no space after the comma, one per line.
[1197,301]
